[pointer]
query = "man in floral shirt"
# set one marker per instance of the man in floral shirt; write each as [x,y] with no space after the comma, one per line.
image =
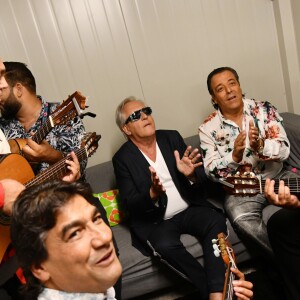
[23,113]
[242,132]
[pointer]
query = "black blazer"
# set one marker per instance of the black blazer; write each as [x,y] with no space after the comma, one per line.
[134,182]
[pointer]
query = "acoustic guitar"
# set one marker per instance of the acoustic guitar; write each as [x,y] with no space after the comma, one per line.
[15,166]
[223,247]
[66,111]
[247,184]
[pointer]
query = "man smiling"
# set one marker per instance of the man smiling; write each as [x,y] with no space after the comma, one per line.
[242,132]
[62,243]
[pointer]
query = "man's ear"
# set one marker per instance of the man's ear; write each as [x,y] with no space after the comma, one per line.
[19,89]
[126,130]
[40,273]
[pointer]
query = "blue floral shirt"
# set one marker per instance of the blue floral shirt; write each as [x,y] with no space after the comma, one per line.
[217,135]
[64,138]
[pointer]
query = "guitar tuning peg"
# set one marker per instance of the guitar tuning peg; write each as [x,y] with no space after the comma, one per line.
[215,247]
[217,253]
[214,241]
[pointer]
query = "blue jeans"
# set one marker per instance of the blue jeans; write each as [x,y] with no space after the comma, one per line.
[245,215]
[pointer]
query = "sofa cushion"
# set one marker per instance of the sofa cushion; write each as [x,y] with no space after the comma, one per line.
[112,205]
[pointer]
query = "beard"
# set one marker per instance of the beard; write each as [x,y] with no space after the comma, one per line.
[10,107]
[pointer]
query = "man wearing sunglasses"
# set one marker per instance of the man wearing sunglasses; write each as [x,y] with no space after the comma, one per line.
[161,183]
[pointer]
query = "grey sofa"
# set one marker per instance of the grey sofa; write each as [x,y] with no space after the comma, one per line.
[142,275]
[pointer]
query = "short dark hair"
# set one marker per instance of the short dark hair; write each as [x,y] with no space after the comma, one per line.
[217,71]
[17,72]
[34,214]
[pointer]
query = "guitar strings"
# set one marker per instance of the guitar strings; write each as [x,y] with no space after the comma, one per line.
[58,168]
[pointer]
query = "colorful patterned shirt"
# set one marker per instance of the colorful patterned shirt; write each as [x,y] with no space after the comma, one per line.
[217,136]
[64,138]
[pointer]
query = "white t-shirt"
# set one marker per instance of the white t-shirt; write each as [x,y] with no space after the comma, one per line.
[4,146]
[175,202]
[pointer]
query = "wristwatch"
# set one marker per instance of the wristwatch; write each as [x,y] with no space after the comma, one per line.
[260,146]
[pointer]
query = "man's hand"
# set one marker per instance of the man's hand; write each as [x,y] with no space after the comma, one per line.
[239,147]
[74,167]
[188,163]
[283,198]
[43,152]
[241,287]
[156,188]
[12,189]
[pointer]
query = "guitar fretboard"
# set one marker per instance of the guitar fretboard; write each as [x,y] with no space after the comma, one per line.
[58,170]
[293,183]
[42,132]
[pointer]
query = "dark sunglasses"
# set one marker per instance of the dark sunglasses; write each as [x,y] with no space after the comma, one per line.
[136,115]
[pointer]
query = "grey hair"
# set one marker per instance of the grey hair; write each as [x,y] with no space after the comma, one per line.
[119,115]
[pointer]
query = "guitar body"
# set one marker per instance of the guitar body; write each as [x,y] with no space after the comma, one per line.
[12,166]
[15,166]
[16,145]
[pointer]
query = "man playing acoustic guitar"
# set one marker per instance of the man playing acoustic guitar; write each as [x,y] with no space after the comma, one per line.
[24,113]
[243,132]
[10,189]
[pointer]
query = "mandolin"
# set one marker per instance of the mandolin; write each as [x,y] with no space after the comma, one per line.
[68,110]
[15,166]
[248,184]
[222,246]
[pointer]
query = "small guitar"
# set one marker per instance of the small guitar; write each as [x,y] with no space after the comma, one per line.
[248,184]
[65,112]
[223,247]
[15,166]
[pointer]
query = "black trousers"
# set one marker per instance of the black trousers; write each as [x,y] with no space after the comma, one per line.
[284,234]
[204,223]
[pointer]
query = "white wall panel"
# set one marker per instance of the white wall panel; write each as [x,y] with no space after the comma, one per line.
[177,43]
[74,45]
[158,50]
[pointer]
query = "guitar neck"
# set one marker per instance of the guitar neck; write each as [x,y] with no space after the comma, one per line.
[228,292]
[58,170]
[42,132]
[293,184]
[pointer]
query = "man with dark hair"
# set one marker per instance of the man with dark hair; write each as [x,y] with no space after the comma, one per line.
[62,244]
[23,113]
[242,133]
[162,184]
[11,105]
